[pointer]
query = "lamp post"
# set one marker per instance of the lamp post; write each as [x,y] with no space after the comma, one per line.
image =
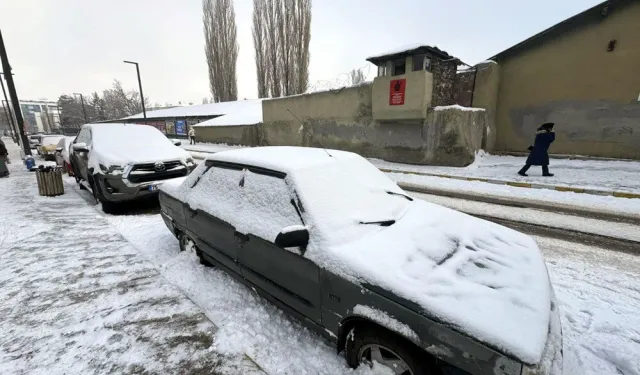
[6,67]
[144,111]
[84,112]
[7,112]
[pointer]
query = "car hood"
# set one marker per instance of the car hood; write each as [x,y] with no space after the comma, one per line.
[484,280]
[139,155]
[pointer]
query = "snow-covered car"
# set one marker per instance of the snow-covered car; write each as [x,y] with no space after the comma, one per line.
[414,286]
[48,145]
[63,151]
[123,162]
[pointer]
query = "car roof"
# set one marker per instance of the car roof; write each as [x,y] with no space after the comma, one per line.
[286,159]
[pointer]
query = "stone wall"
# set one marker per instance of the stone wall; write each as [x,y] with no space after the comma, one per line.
[444,80]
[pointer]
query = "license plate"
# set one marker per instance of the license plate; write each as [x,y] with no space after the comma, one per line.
[153,187]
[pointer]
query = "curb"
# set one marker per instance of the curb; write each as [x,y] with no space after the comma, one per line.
[617,194]
[524,203]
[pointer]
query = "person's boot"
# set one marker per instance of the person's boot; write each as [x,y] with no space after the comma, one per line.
[545,172]
[523,172]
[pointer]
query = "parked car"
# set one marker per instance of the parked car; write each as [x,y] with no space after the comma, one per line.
[48,145]
[329,238]
[123,162]
[63,151]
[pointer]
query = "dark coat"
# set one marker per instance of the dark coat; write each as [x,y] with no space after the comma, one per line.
[539,154]
[3,149]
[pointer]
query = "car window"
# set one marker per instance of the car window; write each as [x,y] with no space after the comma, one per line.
[268,205]
[217,192]
[82,136]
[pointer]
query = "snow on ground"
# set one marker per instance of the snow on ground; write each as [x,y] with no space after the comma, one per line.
[588,174]
[599,294]
[539,217]
[76,297]
[608,204]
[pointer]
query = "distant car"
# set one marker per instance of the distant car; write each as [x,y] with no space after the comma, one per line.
[63,151]
[48,145]
[34,141]
[123,162]
[326,236]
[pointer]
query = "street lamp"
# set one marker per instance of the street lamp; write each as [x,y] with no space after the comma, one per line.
[144,111]
[7,111]
[84,112]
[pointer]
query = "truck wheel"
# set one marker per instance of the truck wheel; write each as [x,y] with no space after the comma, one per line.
[366,344]
[107,207]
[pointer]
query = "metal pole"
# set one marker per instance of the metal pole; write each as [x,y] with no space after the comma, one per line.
[7,112]
[144,111]
[83,110]
[6,67]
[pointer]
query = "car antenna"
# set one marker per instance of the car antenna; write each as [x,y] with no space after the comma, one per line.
[310,135]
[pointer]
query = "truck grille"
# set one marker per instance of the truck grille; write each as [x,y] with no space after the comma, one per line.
[156,171]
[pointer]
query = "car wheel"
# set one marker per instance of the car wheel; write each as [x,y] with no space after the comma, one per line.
[107,207]
[368,344]
[188,245]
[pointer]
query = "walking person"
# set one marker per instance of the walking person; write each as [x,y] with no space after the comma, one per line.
[192,136]
[539,154]
[4,159]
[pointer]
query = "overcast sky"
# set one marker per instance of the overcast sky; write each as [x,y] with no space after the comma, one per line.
[66,46]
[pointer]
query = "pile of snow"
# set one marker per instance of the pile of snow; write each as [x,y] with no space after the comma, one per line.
[458,107]
[203,110]
[122,144]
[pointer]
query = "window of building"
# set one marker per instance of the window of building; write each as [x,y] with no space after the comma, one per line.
[421,62]
[399,67]
[382,70]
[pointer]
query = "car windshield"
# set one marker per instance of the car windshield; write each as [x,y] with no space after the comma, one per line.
[131,137]
[349,199]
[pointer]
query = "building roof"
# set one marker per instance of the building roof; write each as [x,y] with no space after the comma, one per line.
[203,110]
[248,115]
[284,159]
[408,50]
[591,15]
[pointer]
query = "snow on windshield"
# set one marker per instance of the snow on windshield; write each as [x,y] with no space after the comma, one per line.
[340,195]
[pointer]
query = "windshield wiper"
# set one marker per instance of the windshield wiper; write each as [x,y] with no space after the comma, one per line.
[399,194]
[382,223]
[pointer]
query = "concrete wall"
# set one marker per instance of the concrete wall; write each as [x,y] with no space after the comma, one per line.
[485,95]
[418,95]
[232,135]
[591,94]
[344,120]
[463,87]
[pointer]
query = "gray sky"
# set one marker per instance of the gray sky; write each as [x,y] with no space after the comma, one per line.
[65,46]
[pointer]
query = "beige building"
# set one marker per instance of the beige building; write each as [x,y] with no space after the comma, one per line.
[583,74]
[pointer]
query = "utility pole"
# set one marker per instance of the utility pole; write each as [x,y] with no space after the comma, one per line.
[144,111]
[84,112]
[6,67]
[7,112]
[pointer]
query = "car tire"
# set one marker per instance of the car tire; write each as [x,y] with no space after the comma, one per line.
[365,340]
[189,245]
[107,207]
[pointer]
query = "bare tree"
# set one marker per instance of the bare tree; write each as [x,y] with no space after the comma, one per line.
[281,36]
[356,76]
[221,48]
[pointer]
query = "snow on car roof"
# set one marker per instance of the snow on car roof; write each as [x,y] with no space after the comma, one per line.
[283,158]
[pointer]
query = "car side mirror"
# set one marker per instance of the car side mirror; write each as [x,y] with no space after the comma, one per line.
[293,236]
[177,143]
[80,147]
[59,149]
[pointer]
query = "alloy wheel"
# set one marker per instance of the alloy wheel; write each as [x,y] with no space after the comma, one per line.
[384,356]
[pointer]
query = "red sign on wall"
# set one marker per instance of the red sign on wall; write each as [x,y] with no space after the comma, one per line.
[396,91]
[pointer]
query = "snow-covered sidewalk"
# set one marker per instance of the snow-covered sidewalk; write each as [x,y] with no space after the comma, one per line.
[599,175]
[77,298]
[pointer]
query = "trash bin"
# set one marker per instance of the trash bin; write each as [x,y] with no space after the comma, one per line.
[50,181]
